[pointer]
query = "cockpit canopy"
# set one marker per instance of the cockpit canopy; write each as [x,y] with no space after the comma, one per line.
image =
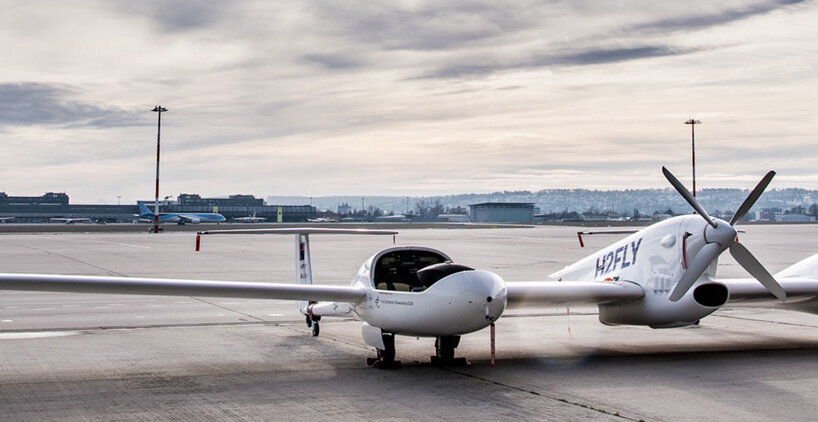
[412,270]
[433,273]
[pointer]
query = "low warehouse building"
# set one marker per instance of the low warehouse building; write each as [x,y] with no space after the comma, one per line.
[502,212]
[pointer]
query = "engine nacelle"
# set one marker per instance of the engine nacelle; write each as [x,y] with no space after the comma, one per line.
[659,312]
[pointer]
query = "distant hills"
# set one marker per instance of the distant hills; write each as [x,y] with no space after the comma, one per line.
[646,201]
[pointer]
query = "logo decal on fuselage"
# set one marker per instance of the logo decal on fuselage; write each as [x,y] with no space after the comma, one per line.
[620,258]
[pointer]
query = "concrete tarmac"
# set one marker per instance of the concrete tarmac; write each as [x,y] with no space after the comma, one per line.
[106,357]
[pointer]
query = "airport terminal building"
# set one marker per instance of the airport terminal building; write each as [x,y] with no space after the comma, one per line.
[236,206]
[41,209]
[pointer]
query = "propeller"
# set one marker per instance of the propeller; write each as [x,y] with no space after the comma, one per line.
[752,198]
[687,196]
[695,269]
[751,264]
[721,236]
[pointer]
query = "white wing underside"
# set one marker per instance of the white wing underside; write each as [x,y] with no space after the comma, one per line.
[172,287]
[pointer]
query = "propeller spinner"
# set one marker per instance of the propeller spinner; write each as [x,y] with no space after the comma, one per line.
[721,236]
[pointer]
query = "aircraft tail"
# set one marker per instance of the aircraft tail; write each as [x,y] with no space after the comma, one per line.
[143,209]
[303,266]
[806,268]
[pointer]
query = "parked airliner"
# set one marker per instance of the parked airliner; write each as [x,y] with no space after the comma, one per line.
[250,219]
[145,214]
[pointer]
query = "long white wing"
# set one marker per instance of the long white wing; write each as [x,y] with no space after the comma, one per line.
[172,287]
[536,293]
[798,290]
[799,281]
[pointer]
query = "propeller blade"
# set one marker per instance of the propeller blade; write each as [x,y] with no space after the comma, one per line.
[751,264]
[695,269]
[687,196]
[752,198]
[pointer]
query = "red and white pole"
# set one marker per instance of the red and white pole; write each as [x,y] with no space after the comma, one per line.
[158,109]
[492,344]
[693,123]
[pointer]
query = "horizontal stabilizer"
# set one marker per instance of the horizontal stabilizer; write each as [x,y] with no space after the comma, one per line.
[301,230]
[597,232]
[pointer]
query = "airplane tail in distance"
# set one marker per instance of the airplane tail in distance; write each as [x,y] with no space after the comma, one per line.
[143,209]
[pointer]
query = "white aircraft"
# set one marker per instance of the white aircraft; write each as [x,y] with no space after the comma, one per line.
[661,276]
[71,220]
[250,219]
[5,219]
[322,220]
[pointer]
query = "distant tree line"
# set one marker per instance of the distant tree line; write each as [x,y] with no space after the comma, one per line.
[428,209]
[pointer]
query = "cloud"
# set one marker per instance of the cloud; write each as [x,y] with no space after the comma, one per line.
[27,103]
[591,56]
[420,25]
[691,19]
[179,15]
[317,96]
[612,55]
[333,61]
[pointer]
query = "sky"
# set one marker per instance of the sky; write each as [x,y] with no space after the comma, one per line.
[321,98]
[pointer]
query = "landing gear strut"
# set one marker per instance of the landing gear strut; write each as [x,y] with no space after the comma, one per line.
[386,357]
[444,352]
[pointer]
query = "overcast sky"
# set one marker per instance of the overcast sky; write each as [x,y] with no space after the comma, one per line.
[403,98]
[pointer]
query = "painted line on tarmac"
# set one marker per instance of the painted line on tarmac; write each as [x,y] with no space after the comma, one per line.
[27,335]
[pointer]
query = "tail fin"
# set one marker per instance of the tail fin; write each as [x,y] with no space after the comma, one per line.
[143,209]
[303,265]
[806,268]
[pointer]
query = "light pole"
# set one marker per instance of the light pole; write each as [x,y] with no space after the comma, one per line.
[158,109]
[693,123]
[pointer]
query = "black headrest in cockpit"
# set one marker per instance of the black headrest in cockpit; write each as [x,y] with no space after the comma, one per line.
[431,274]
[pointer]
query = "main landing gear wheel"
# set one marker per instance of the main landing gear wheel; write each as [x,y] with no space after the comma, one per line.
[312,321]
[386,357]
[444,352]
